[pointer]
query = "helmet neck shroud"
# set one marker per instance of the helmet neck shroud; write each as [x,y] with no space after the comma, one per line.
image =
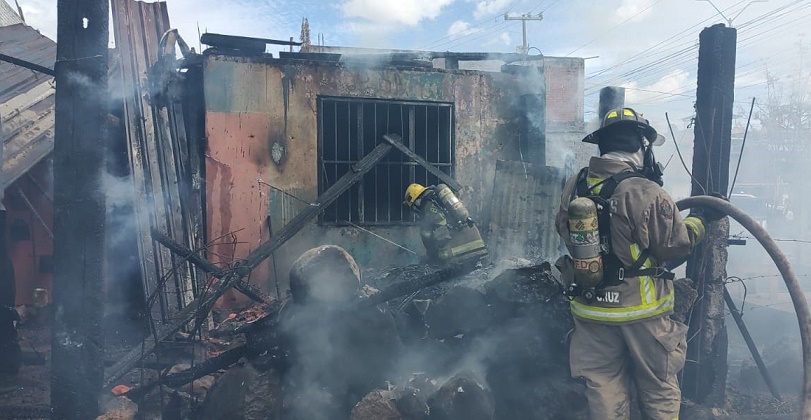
[621,137]
[630,138]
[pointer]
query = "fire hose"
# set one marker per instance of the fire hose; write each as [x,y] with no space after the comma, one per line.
[792,283]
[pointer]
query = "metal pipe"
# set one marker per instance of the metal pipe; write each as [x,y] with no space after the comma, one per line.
[783,265]
[35,212]
[736,315]
[610,97]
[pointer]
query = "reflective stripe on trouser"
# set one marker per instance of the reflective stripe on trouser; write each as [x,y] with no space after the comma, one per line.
[609,357]
[460,250]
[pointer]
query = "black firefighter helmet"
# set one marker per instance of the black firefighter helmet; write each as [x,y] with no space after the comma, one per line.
[624,116]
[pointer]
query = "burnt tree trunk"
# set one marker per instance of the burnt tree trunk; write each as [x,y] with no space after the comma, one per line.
[705,373]
[79,212]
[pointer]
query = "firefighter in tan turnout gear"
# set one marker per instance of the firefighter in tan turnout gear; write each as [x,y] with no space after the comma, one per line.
[620,227]
[446,228]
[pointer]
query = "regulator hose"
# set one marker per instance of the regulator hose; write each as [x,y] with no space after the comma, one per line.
[792,283]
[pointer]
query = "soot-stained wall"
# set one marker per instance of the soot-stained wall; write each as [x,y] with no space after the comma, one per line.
[262,155]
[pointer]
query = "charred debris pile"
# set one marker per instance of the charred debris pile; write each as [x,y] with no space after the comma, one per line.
[414,342]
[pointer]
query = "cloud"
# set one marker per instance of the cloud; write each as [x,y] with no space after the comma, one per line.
[636,10]
[660,91]
[459,28]
[499,40]
[40,14]
[405,12]
[488,8]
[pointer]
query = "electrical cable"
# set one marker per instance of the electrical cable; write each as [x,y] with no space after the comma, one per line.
[736,279]
[655,48]
[681,158]
[743,145]
[657,65]
[602,35]
[453,37]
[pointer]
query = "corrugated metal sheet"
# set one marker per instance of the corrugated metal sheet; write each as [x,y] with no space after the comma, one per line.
[7,15]
[28,131]
[26,100]
[23,42]
[161,159]
[525,202]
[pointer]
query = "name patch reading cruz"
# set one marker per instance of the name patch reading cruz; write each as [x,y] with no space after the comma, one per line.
[610,297]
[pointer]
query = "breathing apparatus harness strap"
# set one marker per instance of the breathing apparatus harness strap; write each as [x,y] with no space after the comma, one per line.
[614,271]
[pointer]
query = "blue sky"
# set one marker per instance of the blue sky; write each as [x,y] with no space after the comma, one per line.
[649,46]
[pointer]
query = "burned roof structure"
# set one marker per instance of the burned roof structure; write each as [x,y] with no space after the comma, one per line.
[26,100]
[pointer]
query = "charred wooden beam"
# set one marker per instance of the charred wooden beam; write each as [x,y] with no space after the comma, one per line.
[25,412]
[27,64]
[236,42]
[78,156]
[205,265]
[222,361]
[205,302]
[396,141]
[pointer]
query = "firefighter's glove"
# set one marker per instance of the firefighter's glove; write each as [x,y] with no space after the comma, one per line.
[710,214]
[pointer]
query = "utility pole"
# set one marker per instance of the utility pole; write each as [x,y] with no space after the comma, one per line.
[705,372]
[77,371]
[524,18]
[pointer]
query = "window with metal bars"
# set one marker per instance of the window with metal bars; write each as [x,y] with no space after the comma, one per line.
[349,128]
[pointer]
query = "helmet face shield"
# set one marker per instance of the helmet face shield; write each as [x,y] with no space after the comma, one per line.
[659,140]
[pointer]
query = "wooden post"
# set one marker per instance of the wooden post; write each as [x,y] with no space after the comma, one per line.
[705,373]
[81,109]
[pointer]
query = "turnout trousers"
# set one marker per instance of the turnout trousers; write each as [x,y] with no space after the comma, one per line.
[650,353]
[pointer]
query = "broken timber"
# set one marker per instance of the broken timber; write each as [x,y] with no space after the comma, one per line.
[206,301]
[27,64]
[396,141]
[432,276]
[174,380]
[246,288]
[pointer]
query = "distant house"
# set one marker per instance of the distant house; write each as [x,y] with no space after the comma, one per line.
[27,115]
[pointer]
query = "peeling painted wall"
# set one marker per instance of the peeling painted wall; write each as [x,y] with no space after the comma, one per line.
[262,155]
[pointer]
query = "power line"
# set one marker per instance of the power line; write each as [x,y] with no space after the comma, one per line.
[656,65]
[681,158]
[743,145]
[481,22]
[615,27]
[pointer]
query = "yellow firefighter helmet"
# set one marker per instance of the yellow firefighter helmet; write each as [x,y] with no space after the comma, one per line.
[412,193]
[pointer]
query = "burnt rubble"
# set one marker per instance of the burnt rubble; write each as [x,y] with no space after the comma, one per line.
[490,344]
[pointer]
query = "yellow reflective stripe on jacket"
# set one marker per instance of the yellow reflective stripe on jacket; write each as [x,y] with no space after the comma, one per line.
[631,313]
[647,288]
[468,247]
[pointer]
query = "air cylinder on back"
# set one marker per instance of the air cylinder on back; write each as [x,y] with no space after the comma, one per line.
[584,234]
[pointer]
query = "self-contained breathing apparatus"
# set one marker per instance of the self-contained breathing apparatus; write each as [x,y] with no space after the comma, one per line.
[595,265]
[455,211]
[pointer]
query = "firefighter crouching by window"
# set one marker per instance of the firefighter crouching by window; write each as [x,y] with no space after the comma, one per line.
[621,293]
[448,232]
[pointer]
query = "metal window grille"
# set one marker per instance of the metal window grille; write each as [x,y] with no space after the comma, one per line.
[348,129]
